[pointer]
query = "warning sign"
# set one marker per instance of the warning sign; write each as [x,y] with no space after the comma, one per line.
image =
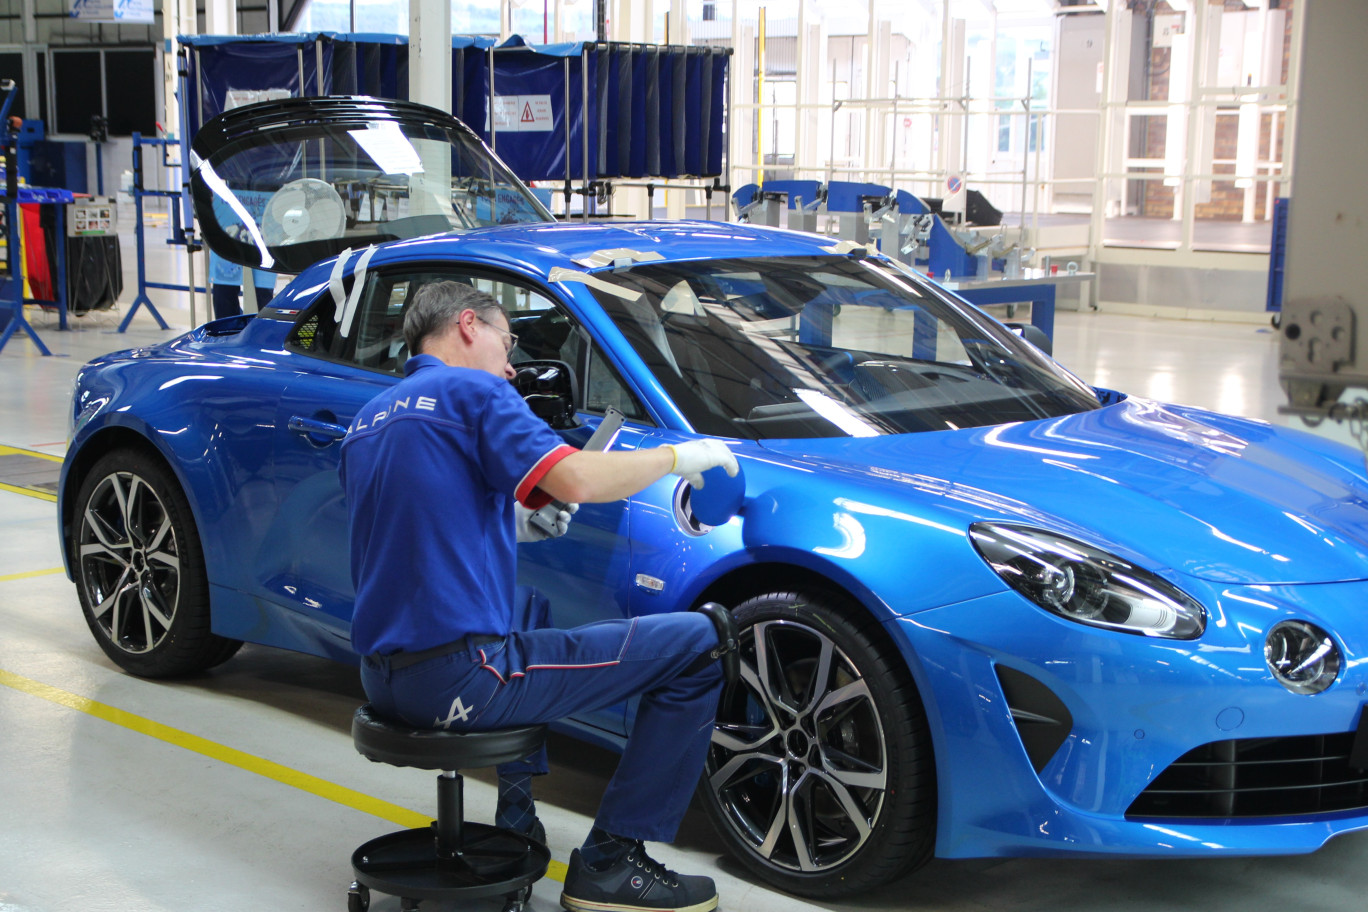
[523,114]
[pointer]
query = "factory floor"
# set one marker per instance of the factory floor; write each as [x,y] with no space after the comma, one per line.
[240,789]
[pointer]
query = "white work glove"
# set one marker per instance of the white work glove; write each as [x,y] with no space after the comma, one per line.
[552,521]
[694,457]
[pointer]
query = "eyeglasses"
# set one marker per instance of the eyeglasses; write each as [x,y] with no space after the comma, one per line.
[512,337]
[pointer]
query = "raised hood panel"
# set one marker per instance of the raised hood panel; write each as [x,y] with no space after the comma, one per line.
[1157,483]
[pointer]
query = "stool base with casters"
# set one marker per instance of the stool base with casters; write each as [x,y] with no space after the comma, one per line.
[452,859]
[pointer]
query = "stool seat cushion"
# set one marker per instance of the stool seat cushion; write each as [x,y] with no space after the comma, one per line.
[385,740]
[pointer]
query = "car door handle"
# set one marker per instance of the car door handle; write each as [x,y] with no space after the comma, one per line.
[314,427]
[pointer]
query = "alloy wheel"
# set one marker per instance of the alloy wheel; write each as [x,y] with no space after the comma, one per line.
[798,764]
[130,565]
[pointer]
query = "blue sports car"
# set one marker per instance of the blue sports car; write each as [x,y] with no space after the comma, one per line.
[987,609]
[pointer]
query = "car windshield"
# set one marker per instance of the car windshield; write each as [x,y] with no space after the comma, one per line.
[288,194]
[796,347]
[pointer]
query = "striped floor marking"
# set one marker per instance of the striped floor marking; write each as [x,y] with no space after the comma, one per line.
[231,756]
[6,450]
[29,472]
[29,574]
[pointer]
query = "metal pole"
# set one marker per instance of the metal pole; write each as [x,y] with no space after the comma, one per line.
[190,269]
[568,174]
[760,103]
[493,130]
[584,119]
[1026,143]
[199,95]
[893,130]
[835,106]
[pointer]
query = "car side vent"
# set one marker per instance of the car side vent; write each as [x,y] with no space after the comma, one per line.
[1042,720]
[1258,777]
[227,326]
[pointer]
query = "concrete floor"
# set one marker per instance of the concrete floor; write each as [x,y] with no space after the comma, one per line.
[240,789]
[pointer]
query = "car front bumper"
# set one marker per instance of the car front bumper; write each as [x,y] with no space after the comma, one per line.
[1132,706]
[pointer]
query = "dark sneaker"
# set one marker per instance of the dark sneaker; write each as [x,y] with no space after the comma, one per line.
[635,883]
[536,831]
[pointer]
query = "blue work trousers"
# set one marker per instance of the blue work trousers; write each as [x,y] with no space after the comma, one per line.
[540,674]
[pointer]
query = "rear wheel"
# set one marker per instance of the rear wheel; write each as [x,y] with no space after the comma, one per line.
[140,571]
[820,775]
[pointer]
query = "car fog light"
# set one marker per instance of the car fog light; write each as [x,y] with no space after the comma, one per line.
[1085,584]
[1302,657]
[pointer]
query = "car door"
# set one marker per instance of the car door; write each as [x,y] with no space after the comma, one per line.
[305,555]
[586,573]
[582,572]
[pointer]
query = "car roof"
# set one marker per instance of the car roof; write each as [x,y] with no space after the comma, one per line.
[539,248]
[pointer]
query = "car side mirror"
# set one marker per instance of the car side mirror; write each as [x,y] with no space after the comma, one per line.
[549,388]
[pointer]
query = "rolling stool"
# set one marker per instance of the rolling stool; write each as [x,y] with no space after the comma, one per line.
[451,859]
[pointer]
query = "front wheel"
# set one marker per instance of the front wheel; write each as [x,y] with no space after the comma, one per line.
[820,775]
[140,571]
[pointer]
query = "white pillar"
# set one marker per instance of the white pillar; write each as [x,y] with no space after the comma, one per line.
[430,53]
[430,84]
[170,82]
[679,22]
[30,14]
[220,17]
[629,20]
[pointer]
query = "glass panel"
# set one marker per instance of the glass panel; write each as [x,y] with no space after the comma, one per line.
[828,347]
[280,194]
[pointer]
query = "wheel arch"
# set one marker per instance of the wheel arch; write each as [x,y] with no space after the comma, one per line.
[78,464]
[876,619]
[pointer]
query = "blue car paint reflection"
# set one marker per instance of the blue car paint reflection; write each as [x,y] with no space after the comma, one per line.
[1255,522]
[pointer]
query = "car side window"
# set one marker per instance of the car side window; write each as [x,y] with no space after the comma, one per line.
[545,330]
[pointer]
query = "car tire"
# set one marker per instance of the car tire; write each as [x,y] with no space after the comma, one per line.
[820,776]
[139,569]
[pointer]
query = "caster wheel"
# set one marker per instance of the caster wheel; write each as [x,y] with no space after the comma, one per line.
[358,898]
[517,902]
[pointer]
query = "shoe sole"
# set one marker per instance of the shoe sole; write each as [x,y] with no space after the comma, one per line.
[585,905]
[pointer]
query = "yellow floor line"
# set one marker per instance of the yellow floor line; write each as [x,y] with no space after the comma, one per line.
[224,754]
[6,450]
[31,492]
[30,573]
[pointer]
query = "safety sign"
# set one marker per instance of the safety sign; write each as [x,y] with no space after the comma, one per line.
[523,114]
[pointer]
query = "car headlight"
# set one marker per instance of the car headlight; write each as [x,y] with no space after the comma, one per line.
[1302,657]
[1085,584]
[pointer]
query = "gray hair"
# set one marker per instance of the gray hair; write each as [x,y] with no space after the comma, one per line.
[437,304]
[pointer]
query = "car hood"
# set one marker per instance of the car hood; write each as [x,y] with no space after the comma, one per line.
[1221,499]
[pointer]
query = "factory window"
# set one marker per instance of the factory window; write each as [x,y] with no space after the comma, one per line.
[117,83]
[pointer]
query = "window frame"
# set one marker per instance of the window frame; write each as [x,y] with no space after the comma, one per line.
[345,355]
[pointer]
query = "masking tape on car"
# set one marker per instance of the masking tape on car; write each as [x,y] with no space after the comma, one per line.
[617,255]
[844,247]
[358,283]
[335,286]
[560,274]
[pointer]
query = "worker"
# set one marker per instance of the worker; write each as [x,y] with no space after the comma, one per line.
[228,293]
[442,473]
